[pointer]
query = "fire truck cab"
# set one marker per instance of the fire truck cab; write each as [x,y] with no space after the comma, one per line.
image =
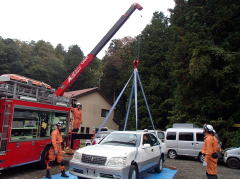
[29,111]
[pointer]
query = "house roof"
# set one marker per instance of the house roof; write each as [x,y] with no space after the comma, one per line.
[83,92]
[72,94]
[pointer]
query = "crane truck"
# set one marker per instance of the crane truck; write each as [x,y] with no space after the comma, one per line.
[29,110]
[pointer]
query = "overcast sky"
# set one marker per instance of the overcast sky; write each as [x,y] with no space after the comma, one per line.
[70,22]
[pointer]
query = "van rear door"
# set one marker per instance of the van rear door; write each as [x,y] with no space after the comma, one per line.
[186,143]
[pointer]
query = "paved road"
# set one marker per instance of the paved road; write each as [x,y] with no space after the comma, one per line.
[187,169]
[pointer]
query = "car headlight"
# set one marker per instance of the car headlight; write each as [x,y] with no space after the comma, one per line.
[77,156]
[117,162]
[225,154]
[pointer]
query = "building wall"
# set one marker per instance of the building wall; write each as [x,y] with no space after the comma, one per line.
[92,105]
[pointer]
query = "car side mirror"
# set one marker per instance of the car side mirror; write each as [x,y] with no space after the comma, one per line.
[146,146]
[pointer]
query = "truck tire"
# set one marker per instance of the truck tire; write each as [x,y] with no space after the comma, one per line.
[132,172]
[159,167]
[172,154]
[233,163]
[43,162]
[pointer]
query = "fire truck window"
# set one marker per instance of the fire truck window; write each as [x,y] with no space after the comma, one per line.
[24,125]
[44,126]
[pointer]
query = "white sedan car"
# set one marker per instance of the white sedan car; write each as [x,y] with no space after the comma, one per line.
[120,155]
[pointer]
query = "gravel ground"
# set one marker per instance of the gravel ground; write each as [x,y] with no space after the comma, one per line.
[188,168]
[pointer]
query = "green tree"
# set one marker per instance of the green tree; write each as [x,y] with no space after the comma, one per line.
[9,57]
[154,70]
[206,64]
[90,77]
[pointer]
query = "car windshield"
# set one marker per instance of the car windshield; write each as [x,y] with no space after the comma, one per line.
[101,135]
[121,139]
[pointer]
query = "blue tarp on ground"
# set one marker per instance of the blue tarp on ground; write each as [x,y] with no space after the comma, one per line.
[165,174]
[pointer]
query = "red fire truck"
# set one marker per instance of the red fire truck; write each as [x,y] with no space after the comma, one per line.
[28,113]
[29,110]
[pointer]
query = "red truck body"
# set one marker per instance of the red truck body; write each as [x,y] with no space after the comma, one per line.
[21,144]
[28,114]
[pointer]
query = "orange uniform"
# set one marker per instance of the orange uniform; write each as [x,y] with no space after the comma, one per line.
[210,146]
[77,118]
[56,150]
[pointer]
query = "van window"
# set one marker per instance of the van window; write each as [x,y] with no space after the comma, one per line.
[200,137]
[171,136]
[186,136]
[161,135]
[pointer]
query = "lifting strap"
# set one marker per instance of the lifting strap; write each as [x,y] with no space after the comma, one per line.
[136,78]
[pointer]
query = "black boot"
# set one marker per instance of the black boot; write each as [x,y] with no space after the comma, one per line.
[64,174]
[48,175]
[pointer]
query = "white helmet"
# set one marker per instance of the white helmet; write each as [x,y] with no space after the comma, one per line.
[208,128]
[60,123]
[78,104]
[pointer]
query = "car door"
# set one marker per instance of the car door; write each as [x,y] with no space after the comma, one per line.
[156,151]
[146,153]
[186,144]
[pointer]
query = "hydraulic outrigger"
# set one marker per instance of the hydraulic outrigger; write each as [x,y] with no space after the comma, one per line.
[90,57]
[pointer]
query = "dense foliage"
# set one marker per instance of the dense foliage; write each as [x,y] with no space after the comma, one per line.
[190,66]
[41,61]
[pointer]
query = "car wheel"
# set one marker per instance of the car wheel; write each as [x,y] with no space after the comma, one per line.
[132,172]
[233,163]
[172,154]
[201,157]
[159,167]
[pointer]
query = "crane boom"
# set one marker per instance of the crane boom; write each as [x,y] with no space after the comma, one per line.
[90,57]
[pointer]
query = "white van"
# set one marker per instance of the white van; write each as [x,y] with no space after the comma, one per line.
[184,141]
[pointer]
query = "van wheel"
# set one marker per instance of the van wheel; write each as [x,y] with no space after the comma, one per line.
[233,163]
[132,172]
[172,154]
[159,167]
[44,156]
[201,157]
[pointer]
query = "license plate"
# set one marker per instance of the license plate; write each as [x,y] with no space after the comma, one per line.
[90,172]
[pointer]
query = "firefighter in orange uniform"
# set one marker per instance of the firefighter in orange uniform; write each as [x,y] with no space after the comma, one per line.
[77,121]
[77,117]
[56,151]
[209,150]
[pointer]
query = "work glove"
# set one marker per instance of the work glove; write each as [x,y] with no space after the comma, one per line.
[204,163]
